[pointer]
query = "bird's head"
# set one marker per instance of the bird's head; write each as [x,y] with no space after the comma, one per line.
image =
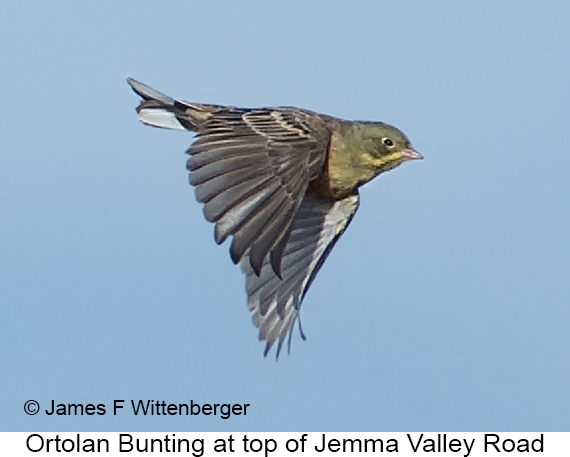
[379,147]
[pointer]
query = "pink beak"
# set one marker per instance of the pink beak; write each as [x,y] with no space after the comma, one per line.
[411,154]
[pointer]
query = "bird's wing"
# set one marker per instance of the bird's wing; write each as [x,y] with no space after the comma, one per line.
[275,303]
[251,169]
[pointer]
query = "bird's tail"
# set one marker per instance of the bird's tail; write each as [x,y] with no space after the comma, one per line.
[162,111]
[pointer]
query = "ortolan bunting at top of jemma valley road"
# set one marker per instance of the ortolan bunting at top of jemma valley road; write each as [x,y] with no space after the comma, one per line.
[283,182]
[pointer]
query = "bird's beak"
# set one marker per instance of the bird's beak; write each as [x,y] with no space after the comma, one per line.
[411,154]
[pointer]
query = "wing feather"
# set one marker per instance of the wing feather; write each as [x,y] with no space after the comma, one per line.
[220,204]
[253,223]
[252,168]
[215,154]
[221,167]
[277,228]
[207,190]
[275,302]
[231,221]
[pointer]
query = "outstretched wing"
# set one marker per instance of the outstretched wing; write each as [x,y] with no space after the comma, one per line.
[275,303]
[251,169]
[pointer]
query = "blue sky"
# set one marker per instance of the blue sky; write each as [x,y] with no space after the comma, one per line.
[445,306]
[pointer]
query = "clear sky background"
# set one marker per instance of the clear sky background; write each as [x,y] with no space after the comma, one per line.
[444,307]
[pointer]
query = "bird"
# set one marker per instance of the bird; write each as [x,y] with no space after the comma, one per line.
[283,183]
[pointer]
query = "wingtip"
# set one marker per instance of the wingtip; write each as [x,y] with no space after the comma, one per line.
[303,336]
[268,347]
[234,254]
[276,265]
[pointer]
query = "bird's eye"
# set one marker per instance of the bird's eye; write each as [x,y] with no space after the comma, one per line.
[387,142]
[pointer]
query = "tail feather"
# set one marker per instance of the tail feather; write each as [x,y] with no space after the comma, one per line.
[148,93]
[155,108]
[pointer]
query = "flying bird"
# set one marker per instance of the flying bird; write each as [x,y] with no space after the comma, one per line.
[283,183]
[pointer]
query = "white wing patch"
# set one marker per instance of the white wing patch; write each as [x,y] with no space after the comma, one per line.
[275,303]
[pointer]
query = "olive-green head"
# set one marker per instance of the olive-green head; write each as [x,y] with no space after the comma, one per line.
[377,147]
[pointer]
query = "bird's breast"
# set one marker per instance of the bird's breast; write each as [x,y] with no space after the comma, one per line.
[342,172]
